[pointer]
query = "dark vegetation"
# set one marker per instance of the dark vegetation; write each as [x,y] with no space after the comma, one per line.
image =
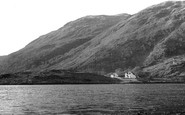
[54,77]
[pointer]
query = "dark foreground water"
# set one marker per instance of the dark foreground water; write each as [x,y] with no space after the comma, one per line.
[120,99]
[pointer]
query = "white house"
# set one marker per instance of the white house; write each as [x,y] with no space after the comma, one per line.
[130,75]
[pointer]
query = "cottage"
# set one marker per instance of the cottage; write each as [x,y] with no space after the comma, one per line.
[130,75]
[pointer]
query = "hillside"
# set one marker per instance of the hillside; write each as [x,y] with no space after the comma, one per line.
[52,48]
[2,58]
[153,40]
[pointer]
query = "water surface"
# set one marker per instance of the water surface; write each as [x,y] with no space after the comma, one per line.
[92,99]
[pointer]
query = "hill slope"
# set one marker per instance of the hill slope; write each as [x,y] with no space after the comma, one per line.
[52,48]
[152,39]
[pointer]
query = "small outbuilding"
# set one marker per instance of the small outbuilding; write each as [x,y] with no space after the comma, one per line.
[130,75]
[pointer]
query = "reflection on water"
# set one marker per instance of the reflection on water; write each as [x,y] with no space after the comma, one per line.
[93,99]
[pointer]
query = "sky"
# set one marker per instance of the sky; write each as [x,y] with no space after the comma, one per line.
[22,21]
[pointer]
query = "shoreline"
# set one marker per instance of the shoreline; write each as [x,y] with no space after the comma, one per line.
[99,83]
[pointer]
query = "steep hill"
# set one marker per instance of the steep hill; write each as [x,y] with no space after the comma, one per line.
[52,48]
[145,39]
[153,39]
